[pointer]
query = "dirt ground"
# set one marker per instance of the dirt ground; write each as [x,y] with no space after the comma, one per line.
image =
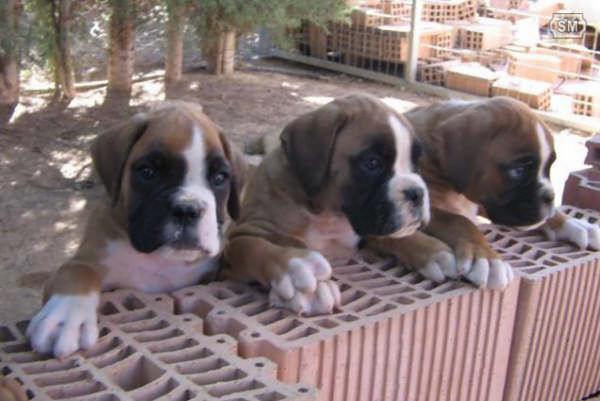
[46,183]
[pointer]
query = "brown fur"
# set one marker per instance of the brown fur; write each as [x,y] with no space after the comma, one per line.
[112,154]
[302,177]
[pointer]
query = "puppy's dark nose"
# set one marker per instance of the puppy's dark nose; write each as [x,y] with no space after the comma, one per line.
[187,212]
[547,196]
[414,195]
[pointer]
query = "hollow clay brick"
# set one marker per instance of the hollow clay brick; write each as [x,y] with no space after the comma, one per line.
[555,352]
[582,189]
[397,336]
[144,353]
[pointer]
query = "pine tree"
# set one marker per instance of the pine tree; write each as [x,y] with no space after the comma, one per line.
[10,11]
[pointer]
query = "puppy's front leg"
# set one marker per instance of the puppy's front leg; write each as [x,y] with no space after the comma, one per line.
[420,252]
[68,319]
[299,279]
[579,232]
[475,258]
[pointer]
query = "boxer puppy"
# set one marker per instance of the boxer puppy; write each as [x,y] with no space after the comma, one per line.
[170,175]
[492,156]
[342,172]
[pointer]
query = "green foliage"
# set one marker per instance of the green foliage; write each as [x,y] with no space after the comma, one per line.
[214,16]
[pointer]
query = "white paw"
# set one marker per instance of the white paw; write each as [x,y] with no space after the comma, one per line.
[65,324]
[440,266]
[579,232]
[488,273]
[306,287]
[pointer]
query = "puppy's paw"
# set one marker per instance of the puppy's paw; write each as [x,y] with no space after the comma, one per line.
[66,324]
[579,232]
[305,286]
[483,267]
[440,266]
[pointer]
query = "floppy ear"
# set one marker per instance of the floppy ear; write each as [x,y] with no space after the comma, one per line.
[239,172]
[111,150]
[308,143]
[463,139]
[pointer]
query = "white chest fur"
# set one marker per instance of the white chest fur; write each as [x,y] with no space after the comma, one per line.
[332,235]
[128,268]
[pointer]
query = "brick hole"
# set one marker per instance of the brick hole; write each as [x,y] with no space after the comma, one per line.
[532,270]
[53,365]
[159,335]
[131,317]
[273,316]
[243,300]
[403,300]
[347,318]
[221,293]
[158,299]
[257,309]
[187,319]
[135,373]
[189,294]
[6,335]
[519,264]
[187,395]
[29,394]
[449,287]
[378,283]
[177,345]
[558,259]
[268,397]
[103,347]
[155,392]
[364,304]
[422,295]
[349,270]
[237,386]
[549,263]
[220,376]
[381,309]
[144,325]
[104,331]
[303,390]
[302,333]
[259,365]
[63,378]
[111,358]
[107,309]
[283,328]
[352,296]
[132,303]
[393,290]
[578,255]
[201,366]
[18,348]
[187,355]
[221,341]
[22,327]
[326,323]
[75,390]
[6,371]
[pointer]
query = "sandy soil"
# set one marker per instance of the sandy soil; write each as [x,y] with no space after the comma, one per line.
[46,183]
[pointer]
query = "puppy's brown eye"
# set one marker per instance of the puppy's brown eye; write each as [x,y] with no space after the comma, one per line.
[372,164]
[146,172]
[517,173]
[219,179]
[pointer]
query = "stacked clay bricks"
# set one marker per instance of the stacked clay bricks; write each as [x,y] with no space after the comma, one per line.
[555,353]
[397,336]
[582,188]
[536,94]
[433,70]
[144,353]
[586,100]
[471,78]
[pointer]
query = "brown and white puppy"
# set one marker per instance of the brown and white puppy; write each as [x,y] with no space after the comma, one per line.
[170,176]
[342,172]
[492,156]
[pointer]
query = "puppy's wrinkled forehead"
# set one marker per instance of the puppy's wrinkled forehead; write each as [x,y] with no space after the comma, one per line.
[175,133]
[372,122]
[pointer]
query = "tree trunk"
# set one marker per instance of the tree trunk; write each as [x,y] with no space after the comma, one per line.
[175,31]
[10,11]
[219,53]
[62,58]
[121,50]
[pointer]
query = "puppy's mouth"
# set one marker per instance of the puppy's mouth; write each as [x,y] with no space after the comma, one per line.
[187,254]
